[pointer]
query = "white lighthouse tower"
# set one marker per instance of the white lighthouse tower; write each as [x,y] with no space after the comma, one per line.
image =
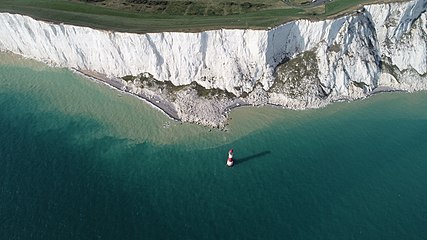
[230,161]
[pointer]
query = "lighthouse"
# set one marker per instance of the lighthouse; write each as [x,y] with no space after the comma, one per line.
[230,161]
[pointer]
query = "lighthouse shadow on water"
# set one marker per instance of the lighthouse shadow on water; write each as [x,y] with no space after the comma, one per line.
[236,161]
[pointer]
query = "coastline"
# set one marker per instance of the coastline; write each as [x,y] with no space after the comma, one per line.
[157,103]
[385,90]
[300,65]
[168,109]
[205,114]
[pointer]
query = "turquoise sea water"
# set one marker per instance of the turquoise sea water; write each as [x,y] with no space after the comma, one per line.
[81,161]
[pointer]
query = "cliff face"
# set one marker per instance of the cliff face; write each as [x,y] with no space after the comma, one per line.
[298,64]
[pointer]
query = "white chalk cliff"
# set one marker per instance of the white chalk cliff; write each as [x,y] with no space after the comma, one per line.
[298,64]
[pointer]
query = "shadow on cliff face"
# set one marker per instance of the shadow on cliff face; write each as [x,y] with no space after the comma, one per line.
[362,30]
[358,40]
[282,43]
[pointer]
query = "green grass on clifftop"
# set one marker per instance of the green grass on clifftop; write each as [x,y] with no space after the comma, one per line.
[176,15]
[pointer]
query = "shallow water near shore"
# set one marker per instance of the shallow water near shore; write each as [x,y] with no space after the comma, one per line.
[79,160]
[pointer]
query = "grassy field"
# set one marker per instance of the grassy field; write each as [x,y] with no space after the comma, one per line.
[177,15]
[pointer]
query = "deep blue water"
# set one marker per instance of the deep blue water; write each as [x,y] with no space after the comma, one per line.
[77,161]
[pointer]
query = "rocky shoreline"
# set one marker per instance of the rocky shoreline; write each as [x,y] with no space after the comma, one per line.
[117,84]
[186,105]
[183,105]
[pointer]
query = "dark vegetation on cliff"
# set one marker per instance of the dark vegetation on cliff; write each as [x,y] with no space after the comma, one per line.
[147,81]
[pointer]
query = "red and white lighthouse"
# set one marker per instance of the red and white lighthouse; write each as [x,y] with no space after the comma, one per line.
[230,161]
